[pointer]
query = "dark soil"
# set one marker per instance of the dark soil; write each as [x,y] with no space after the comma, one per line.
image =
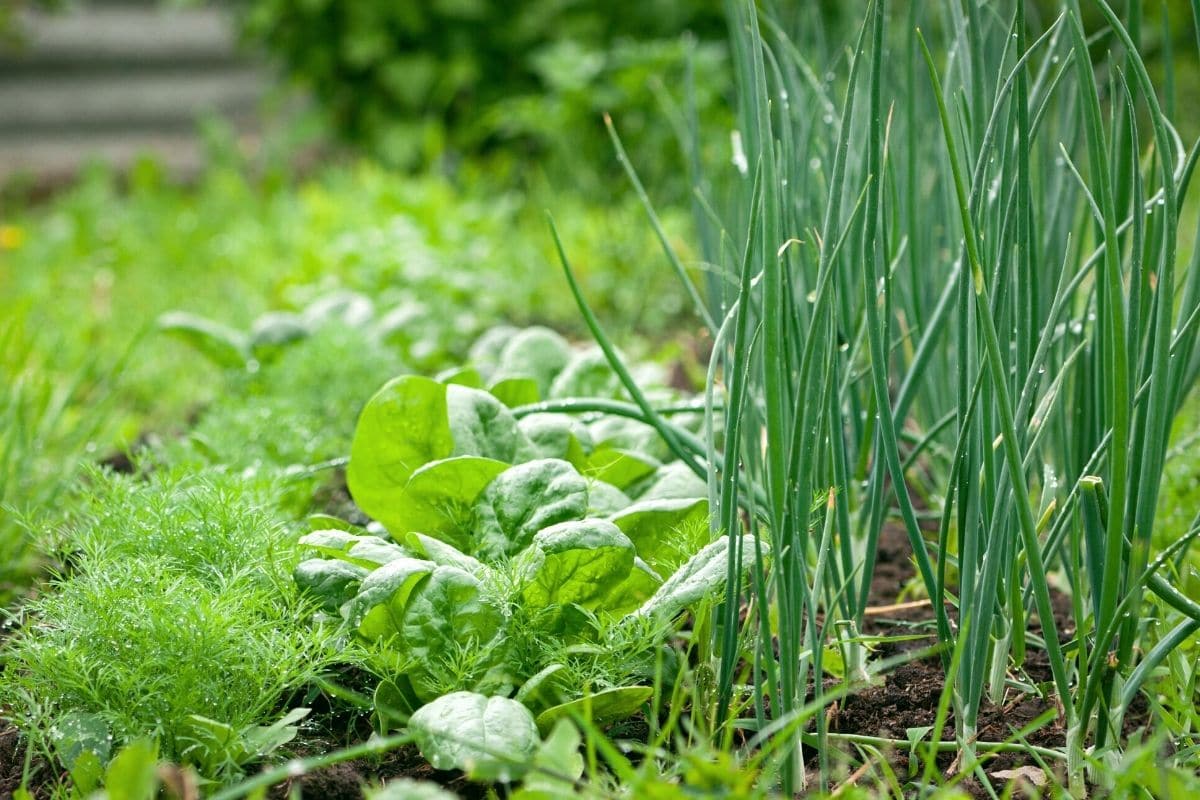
[12,767]
[909,695]
[333,497]
[909,698]
[345,781]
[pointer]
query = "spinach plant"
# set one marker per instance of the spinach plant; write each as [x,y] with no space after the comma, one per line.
[512,541]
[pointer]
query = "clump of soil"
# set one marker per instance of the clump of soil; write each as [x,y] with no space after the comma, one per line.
[345,781]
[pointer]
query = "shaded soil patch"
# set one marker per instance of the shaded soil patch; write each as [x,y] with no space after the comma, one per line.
[13,753]
[332,497]
[345,781]
[908,698]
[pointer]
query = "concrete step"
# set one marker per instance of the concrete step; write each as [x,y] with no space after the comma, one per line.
[34,104]
[90,34]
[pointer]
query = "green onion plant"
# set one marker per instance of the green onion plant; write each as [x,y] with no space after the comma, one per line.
[946,292]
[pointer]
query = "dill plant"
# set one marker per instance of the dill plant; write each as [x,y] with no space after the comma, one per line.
[176,600]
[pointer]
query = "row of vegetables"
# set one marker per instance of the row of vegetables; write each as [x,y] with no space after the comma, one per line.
[523,556]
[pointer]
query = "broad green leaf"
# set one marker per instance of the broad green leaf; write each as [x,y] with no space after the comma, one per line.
[537,353]
[274,331]
[577,563]
[489,738]
[703,576]
[442,554]
[621,468]
[348,308]
[262,740]
[556,765]
[481,425]
[86,773]
[558,436]
[221,344]
[394,702]
[485,352]
[523,500]
[626,596]
[665,532]
[543,689]
[439,498]
[210,744]
[587,374]
[411,422]
[133,773]
[446,617]
[363,550]
[408,789]
[378,609]
[601,708]
[324,522]
[604,499]
[673,481]
[76,733]
[622,433]
[331,581]
[513,392]
[403,427]
[463,376]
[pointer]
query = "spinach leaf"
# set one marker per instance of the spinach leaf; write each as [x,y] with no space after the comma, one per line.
[489,738]
[482,426]
[439,498]
[403,427]
[431,615]
[621,468]
[665,532]
[330,581]
[600,708]
[413,421]
[443,554]
[703,576]
[537,353]
[558,436]
[587,563]
[604,499]
[362,550]
[587,374]
[523,500]
[448,624]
